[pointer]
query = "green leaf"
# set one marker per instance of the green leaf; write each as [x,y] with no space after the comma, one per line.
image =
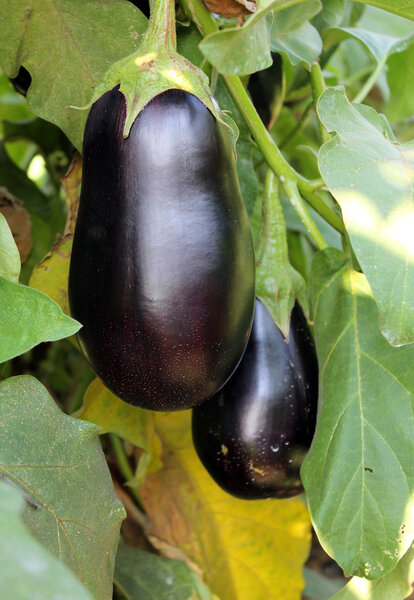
[27,570]
[404,8]
[380,45]
[9,254]
[239,51]
[293,36]
[331,14]
[144,576]
[396,585]
[29,317]
[246,49]
[400,77]
[86,39]
[371,178]
[58,463]
[359,473]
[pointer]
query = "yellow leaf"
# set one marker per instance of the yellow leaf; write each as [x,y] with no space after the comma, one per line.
[51,275]
[247,550]
[71,184]
[102,407]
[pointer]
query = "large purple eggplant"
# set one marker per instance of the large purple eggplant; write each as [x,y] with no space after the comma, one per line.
[253,435]
[162,268]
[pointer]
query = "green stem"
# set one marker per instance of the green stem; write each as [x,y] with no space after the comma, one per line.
[196,11]
[318,87]
[299,206]
[370,82]
[319,205]
[124,465]
[161,27]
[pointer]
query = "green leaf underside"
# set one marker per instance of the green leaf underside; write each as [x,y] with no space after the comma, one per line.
[403,8]
[144,576]
[380,45]
[78,33]
[292,35]
[27,570]
[58,463]
[396,585]
[28,317]
[359,472]
[9,254]
[371,178]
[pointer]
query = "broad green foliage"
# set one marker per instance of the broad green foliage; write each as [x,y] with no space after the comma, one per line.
[359,473]
[246,550]
[58,463]
[9,254]
[27,570]
[28,317]
[77,33]
[144,576]
[293,35]
[371,178]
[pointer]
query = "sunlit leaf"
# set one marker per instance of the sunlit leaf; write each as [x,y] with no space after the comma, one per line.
[51,275]
[27,570]
[28,317]
[246,549]
[58,462]
[9,254]
[359,473]
[396,585]
[144,576]
[86,39]
[371,178]
[102,407]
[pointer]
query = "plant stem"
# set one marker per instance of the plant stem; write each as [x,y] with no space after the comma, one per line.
[299,206]
[370,82]
[196,10]
[124,465]
[318,87]
[319,205]
[161,27]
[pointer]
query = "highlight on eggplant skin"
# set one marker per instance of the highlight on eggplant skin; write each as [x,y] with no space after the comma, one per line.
[162,266]
[253,435]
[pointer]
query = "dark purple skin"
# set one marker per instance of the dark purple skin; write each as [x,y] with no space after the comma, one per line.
[253,435]
[162,267]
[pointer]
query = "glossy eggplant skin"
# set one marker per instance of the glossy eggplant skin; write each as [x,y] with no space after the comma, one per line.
[252,436]
[162,267]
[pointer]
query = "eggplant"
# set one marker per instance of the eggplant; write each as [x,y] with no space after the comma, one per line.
[253,435]
[162,267]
